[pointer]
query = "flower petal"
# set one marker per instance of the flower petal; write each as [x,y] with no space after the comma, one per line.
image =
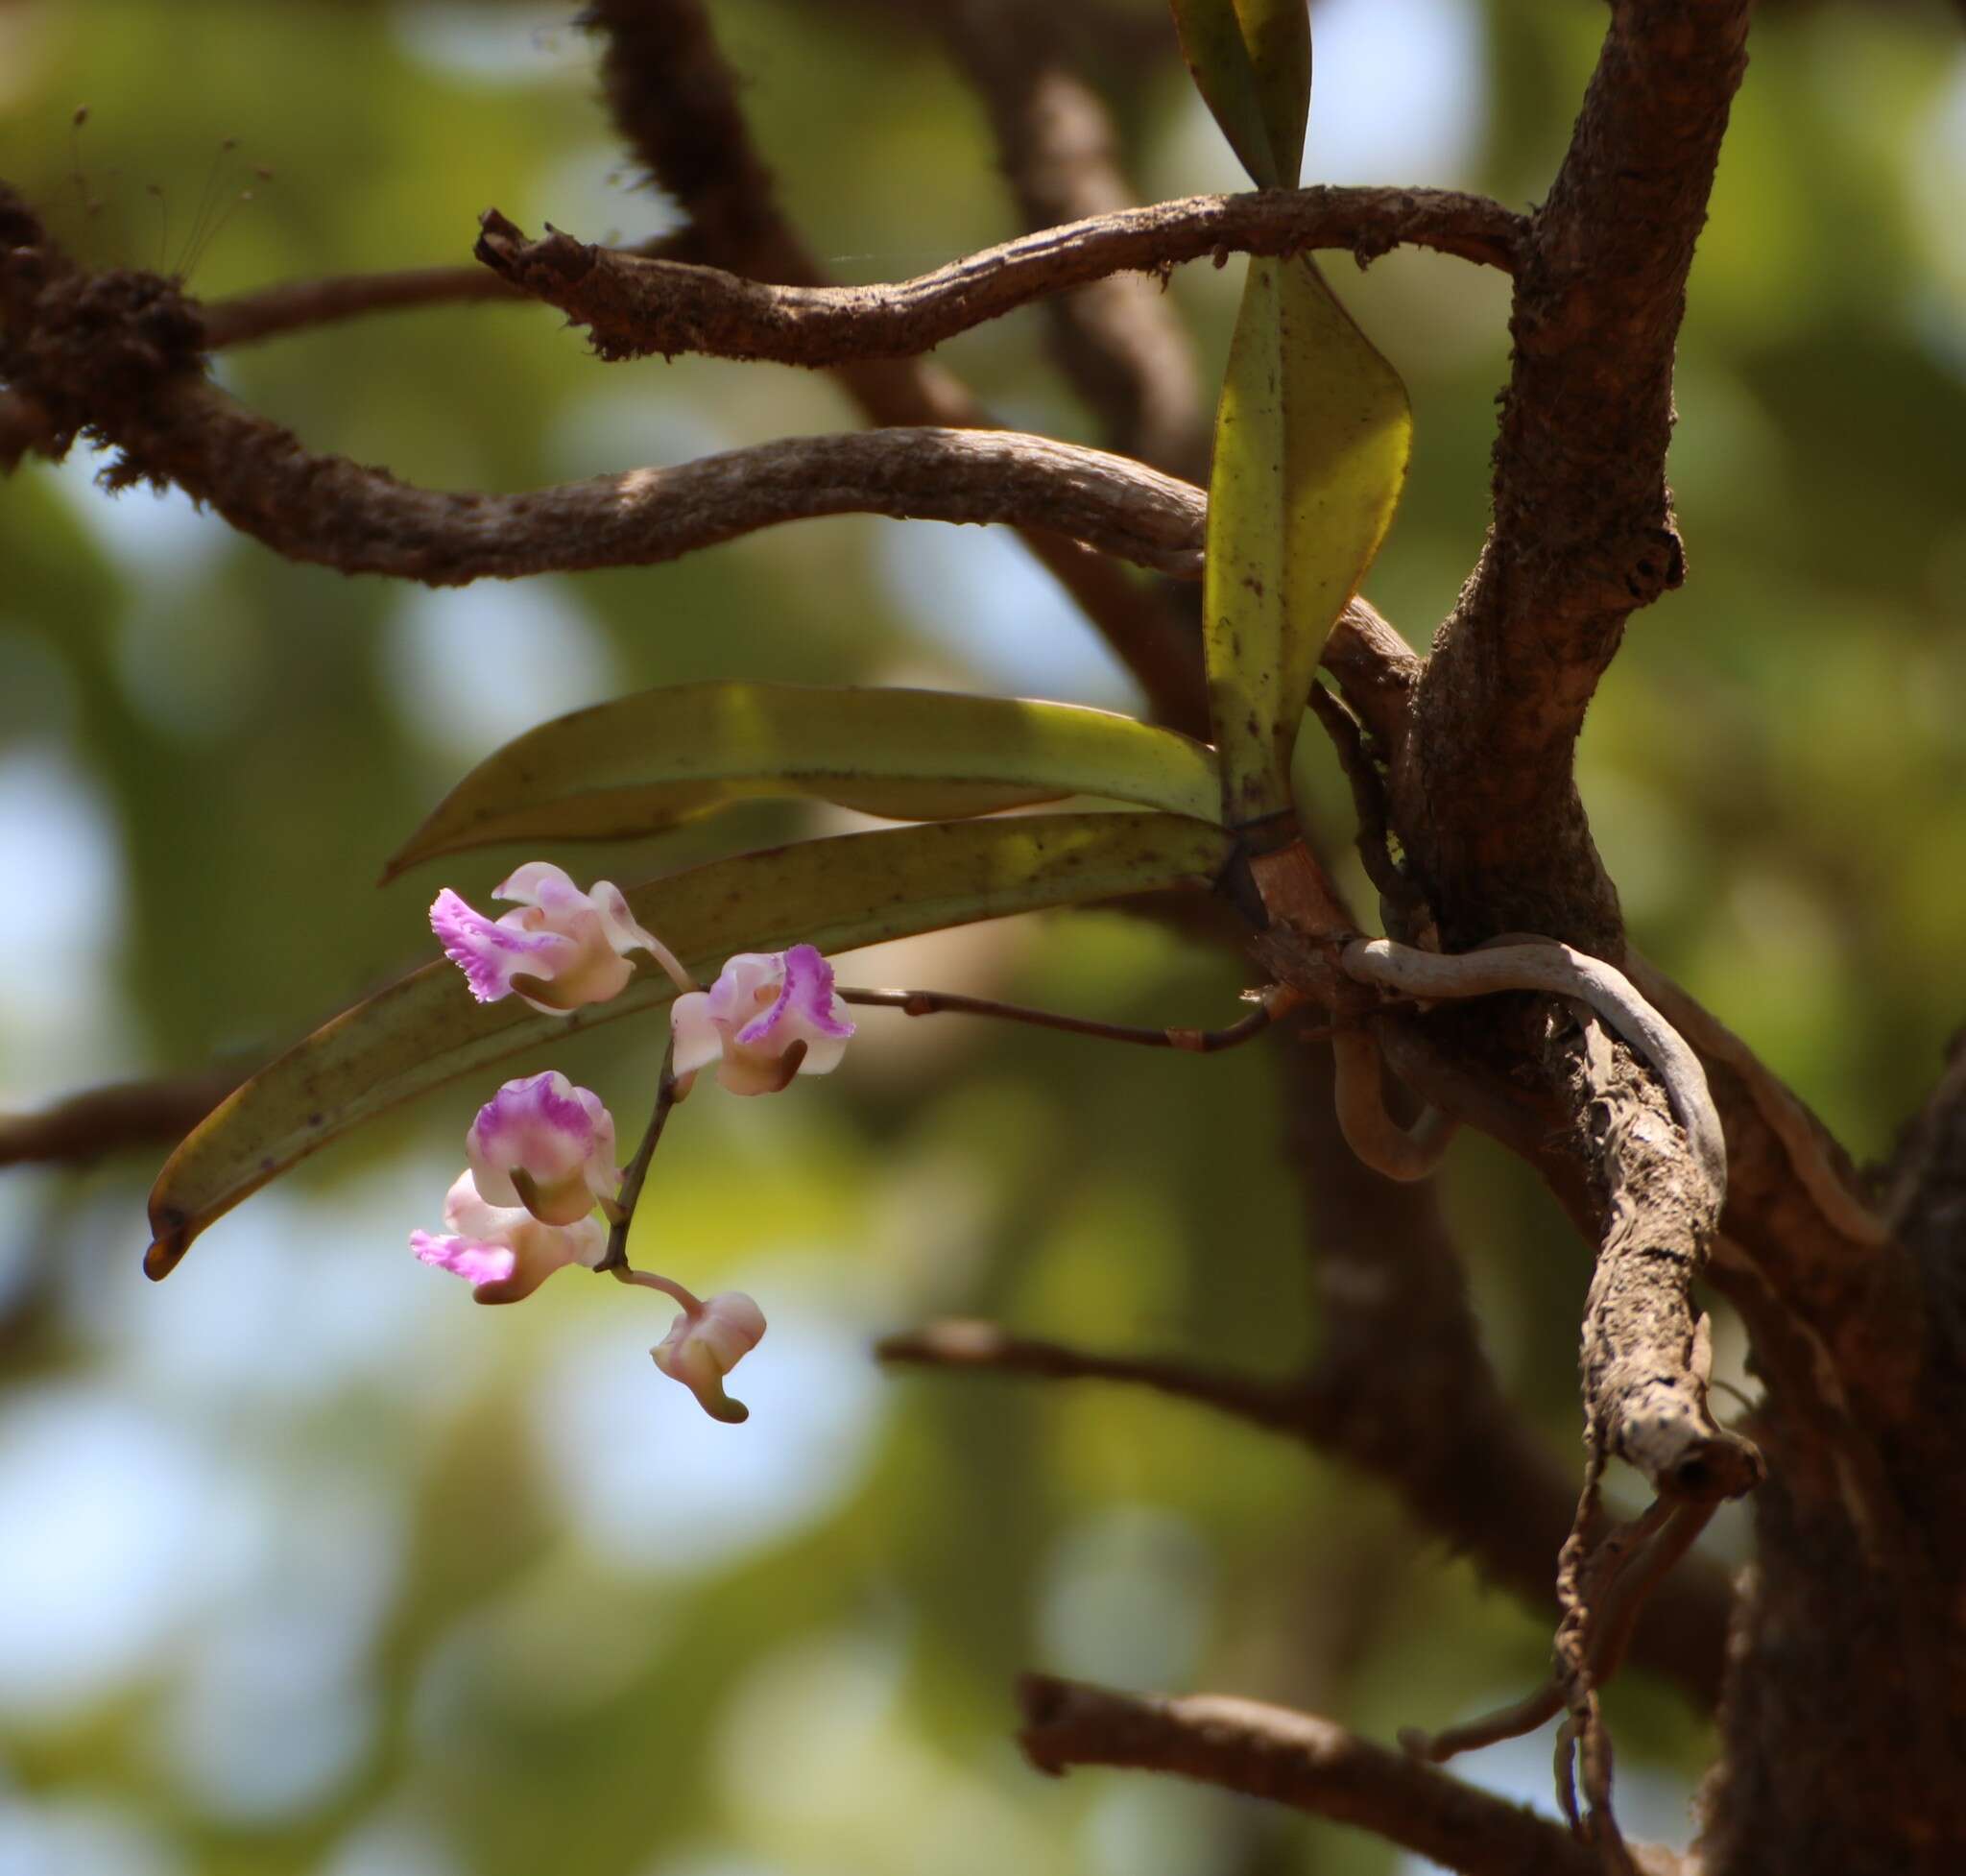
[473,1262]
[619,927]
[803,1009]
[823,1056]
[503,1252]
[699,1041]
[756,1070]
[540,883]
[559,1137]
[702,1346]
[748,982]
[491,954]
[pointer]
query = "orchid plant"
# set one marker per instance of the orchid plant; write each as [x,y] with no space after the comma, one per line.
[541,1151]
[1311,449]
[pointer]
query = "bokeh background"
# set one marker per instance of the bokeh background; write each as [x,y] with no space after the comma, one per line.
[307,1565]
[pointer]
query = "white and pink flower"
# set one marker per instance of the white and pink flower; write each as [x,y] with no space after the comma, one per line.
[704,1343]
[546,1145]
[769,1015]
[560,949]
[503,1252]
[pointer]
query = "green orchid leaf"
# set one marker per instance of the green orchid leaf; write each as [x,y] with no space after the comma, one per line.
[642,763]
[1312,437]
[851,890]
[1250,60]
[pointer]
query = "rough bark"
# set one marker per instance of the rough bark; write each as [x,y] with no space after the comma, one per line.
[637,307]
[1583,531]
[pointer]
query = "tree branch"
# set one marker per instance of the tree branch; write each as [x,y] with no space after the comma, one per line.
[675,99]
[1399,1390]
[1403,1389]
[1814,1246]
[339,514]
[272,312]
[1652,1200]
[121,354]
[1294,1759]
[297,305]
[1583,531]
[1519,961]
[1118,340]
[984,1348]
[1648,1359]
[126,1113]
[635,307]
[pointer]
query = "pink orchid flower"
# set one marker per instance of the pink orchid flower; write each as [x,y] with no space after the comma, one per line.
[503,1252]
[560,949]
[769,1015]
[705,1343]
[546,1145]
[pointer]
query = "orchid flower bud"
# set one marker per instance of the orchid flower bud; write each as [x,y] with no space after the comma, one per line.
[769,1015]
[560,949]
[505,1253]
[703,1344]
[545,1145]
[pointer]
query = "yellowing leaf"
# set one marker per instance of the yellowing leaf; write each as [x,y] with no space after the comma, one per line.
[1250,60]
[642,763]
[856,889]
[1313,436]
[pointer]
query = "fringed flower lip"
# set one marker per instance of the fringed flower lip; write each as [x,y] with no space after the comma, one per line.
[562,947]
[503,1252]
[542,1151]
[769,1015]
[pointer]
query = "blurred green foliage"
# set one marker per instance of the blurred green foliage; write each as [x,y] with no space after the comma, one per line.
[309,1566]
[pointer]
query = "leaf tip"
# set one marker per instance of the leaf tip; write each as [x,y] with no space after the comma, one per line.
[411,852]
[171,1237]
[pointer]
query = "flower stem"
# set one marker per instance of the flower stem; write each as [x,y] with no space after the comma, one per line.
[621,1214]
[693,1305]
[1271,1004]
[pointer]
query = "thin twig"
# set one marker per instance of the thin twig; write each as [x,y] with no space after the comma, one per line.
[300,305]
[982,1347]
[337,512]
[1120,340]
[1402,1388]
[1439,1431]
[677,102]
[1647,1550]
[1400,900]
[622,1212]
[1604,1579]
[1196,1042]
[1298,1760]
[637,307]
[114,1119]
[272,312]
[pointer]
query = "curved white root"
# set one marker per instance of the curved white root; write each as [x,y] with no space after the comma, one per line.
[1397,1152]
[1557,969]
